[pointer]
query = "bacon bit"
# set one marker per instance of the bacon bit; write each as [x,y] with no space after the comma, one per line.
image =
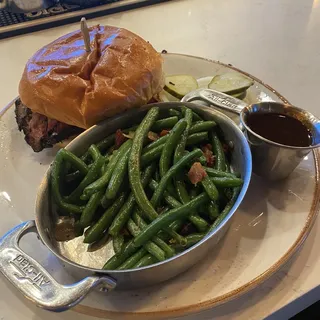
[120,138]
[152,136]
[196,173]
[164,132]
[208,154]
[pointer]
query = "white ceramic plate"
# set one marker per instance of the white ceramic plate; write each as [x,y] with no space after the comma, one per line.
[269,227]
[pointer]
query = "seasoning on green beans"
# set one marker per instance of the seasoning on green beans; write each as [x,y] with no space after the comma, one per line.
[165,219]
[119,172]
[166,123]
[91,176]
[198,137]
[220,161]
[170,145]
[90,209]
[139,194]
[150,246]
[104,180]
[118,242]
[125,212]
[145,261]
[202,126]
[97,230]
[55,185]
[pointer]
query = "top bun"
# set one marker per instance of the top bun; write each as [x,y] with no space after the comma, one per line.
[64,82]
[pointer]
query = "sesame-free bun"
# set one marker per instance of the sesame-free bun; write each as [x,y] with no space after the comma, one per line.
[64,82]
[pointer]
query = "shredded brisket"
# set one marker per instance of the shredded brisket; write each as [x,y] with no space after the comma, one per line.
[40,131]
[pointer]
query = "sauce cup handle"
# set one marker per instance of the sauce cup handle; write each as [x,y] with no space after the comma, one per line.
[34,282]
[216,98]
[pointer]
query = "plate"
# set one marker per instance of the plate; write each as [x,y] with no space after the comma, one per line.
[269,227]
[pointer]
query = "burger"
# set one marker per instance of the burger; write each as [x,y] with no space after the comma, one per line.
[65,89]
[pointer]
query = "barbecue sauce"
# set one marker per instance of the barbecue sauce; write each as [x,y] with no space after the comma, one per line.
[280,128]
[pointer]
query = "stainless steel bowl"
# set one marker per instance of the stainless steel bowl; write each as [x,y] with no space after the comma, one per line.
[45,291]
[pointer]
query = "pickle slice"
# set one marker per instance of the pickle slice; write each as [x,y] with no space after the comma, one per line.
[180,85]
[230,83]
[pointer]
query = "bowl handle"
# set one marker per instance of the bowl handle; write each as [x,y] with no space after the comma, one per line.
[216,98]
[34,282]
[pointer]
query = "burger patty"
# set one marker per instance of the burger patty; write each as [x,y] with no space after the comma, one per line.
[40,131]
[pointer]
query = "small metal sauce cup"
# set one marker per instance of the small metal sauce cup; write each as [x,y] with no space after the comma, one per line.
[270,160]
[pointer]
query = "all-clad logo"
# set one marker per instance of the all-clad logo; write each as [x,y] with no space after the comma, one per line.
[223,101]
[27,271]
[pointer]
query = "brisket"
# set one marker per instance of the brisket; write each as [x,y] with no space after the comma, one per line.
[41,132]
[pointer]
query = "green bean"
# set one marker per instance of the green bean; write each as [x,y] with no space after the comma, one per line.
[166,123]
[96,231]
[158,241]
[135,163]
[213,210]
[170,145]
[106,142]
[174,112]
[76,162]
[118,259]
[101,145]
[156,176]
[119,172]
[227,209]
[195,116]
[90,209]
[55,185]
[118,242]
[202,126]
[94,152]
[150,246]
[165,219]
[134,168]
[104,180]
[91,176]
[220,161]
[145,261]
[178,154]
[125,211]
[170,200]
[203,160]
[157,143]
[210,188]
[70,177]
[199,222]
[227,182]
[151,155]
[133,260]
[192,239]
[168,176]
[105,203]
[217,173]
[196,138]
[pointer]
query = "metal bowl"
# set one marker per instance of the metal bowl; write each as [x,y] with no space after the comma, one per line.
[45,291]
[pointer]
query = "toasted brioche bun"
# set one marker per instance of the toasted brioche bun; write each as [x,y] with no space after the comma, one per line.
[64,82]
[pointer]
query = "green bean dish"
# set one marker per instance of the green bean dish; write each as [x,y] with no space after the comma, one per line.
[154,189]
